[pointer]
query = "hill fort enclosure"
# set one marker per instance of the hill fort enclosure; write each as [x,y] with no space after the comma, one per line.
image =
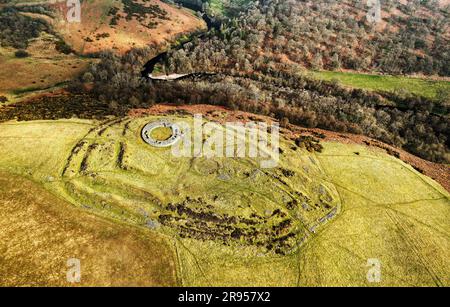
[201,145]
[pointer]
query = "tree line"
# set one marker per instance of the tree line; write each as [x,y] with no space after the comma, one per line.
[415,123]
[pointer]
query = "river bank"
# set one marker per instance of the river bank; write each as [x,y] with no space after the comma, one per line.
[150,65]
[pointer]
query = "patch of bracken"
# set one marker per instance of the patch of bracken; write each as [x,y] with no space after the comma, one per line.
[59,107]
[194,219]
[309,143]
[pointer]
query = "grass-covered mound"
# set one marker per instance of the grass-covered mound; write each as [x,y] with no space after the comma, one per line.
[315,219]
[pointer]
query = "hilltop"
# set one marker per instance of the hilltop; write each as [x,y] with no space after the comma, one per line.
[313,220]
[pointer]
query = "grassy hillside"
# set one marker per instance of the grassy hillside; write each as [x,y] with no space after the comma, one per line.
[118,25]
[421,87]
[44,69]
[41,30]
[122,24]
[316,219]
[41,232]
[406,230]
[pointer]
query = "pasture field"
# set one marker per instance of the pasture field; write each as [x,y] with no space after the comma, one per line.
[422,87]
[315,219]
[44,69]
[41,232]
[390,213]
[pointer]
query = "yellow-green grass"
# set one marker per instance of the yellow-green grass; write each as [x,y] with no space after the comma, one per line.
[44,69]
[161,133]
[219,7]
[41,232]
[216,7]
[390,213]
[42,147]
[385,209]
[420,86]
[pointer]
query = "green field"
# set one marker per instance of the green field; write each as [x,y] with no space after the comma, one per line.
[316,219]
[421,87]
[216,6]
[222,8]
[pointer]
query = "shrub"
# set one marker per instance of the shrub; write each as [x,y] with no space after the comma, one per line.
[62,47]
[21,54]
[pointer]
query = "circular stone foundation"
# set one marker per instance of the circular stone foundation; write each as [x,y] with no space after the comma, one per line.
[150,127]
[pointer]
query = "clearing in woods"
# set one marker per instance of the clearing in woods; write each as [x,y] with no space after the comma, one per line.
[419,86]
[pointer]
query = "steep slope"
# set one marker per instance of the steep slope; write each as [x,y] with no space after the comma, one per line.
[411,37]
